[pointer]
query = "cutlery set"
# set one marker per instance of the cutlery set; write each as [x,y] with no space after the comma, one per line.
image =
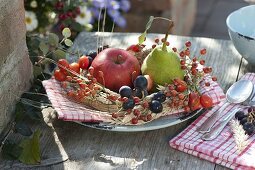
[241,92]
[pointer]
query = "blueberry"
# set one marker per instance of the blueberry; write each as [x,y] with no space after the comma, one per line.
[159,96]
[125,91]
[140,82]
[140,93]
[155,106]
[129,104]
[101,48]
[249,128]
[250,109]
[90,60]
[239,115]
[92,54]
[243,121]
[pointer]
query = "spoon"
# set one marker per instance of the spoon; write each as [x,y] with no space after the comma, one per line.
[241,91]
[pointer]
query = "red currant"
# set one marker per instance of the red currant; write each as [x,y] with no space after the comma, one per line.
[136,112]
[149,117]
[156,40]
[134,121]
[183,67]
[207,84]
[202,62]
[114,115]
[182,62]
[188,44]
[174,49]
[182,54]
[214,78]
[203,51]
[187,52]
[194,59]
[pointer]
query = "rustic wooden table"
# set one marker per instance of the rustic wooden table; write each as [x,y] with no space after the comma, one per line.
[68,145]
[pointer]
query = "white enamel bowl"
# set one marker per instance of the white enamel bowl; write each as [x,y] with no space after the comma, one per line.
[241,28]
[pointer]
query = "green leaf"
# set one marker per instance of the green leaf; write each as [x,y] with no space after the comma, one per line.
[11,150]
[53,39]
[66,32]
[142,37]
[44,47]
[33,112]
[148,25]
[37,70]
[23,129]
[59,54]
[19,112]
[31,149]
[68,42]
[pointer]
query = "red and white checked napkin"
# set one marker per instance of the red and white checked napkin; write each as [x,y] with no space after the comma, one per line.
[69,110]
[221,150]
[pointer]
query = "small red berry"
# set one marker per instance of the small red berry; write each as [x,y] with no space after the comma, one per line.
[194,59]
[194,65]
[153,46]
[171,87]
[136,99]
[156,40]
[188,44]
[186,108]
[174,49]
[214,78]
[167,43]
[149,117]
[163,40]
[187,52]
[203,51]
[136,112]
[181,96]
[207,84]
[193,71]
[183,67]
[202,62]
[134,121]
[182,62]
[78,10]
[182,54]
[145,104]
[114,115]
[91,70]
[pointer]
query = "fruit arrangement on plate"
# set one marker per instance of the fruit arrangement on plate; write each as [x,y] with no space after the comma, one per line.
[138,84]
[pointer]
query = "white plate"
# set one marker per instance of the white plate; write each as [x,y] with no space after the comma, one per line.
[160,123]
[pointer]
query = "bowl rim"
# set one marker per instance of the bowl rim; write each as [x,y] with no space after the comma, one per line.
[231,28]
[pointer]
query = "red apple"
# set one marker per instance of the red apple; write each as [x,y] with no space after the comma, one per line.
[119,68]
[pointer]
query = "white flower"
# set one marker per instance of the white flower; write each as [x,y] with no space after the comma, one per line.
[31,20]
[84,17]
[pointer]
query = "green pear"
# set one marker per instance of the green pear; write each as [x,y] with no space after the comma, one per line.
[162,65]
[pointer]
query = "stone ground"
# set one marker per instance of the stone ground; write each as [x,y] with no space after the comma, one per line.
[211,17]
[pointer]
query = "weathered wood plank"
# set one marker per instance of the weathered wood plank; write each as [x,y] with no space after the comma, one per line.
[95,149]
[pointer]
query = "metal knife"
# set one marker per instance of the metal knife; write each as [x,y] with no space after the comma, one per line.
[208,124]
[216,130]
